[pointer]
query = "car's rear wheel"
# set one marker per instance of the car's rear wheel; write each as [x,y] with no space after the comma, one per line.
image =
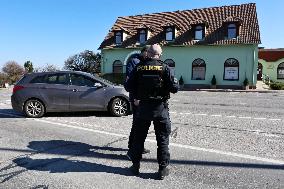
[34,108]
[119,107]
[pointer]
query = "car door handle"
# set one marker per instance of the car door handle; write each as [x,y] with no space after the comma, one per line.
[74,90]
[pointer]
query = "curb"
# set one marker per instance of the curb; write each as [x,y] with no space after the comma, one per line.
[236,90]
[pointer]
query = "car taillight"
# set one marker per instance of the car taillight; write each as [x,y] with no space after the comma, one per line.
[17,88]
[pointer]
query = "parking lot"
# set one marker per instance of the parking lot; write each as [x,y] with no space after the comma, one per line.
[218,140]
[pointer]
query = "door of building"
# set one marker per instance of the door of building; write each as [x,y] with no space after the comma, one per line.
[259,72]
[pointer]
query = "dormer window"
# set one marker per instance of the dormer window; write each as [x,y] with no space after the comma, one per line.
[118,37]
[199,32]
[232,27]
[142,36]
[232,31]
[169,34]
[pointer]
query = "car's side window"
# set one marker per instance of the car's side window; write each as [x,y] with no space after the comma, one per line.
[39,79]
[60,78]
[81,80]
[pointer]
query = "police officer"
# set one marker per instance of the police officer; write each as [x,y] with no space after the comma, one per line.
[130,66]
[151,84]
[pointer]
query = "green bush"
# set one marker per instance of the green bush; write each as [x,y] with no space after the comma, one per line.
[181,82]
[117,78]
[277,86]
[246,82]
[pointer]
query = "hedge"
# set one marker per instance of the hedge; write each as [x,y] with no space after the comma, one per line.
[116,78]
[277,86]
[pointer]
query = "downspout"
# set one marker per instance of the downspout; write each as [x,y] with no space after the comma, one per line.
[102,62]
[255,55]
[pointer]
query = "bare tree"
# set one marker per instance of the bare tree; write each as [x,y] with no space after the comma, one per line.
[50,68]
[13,70]
[3,79]
[86,61]
[47,68]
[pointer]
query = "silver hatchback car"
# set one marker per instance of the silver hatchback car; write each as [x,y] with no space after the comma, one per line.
[67,91]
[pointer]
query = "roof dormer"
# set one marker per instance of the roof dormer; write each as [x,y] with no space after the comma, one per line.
[170,31]
[199,29]
[144,33]
[232,27]
[120,34]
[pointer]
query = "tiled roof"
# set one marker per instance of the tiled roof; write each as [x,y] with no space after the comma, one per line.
[214,18]
[271,55]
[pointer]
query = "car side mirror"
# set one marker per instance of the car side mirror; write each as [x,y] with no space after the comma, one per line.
[98,85]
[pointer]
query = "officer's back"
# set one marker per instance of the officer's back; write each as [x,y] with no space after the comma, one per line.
[151,84]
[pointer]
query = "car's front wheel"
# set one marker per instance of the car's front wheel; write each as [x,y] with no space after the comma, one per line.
[34,108]
[119,107]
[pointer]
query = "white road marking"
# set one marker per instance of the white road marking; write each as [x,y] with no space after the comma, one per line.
[233,154]
[175,100]
[275,119]
[245,117]
[231,116]
[259,118]
[200,114]
[217,115]
[244,156]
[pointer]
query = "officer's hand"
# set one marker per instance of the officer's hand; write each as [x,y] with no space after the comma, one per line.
[136,102]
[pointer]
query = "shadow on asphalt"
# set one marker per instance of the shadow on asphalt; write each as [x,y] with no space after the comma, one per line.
[10,113]
[15,114]
[73,150]
[78,114]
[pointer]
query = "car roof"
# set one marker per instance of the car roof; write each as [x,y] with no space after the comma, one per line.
[32,75]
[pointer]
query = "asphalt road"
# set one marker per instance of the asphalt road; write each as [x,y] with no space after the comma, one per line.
[218,140]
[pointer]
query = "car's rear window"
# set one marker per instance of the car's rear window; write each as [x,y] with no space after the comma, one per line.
[22,80]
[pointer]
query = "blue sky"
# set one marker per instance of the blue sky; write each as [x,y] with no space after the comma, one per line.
[49,31]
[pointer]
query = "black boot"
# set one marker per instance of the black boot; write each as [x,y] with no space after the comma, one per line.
[135,168]
[163,172]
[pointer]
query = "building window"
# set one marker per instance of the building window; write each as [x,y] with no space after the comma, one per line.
[231,69]
[117,67]
[143,36]
[232,31]
[199,32]
[169,34]
[171,64]
[280,71]
[198,69]
[118,38]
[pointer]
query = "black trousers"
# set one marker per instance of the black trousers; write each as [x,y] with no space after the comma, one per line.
[131,135]
[159,114]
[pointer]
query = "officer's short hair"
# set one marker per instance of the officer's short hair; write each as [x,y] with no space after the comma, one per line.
[155,51]
[145,48]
